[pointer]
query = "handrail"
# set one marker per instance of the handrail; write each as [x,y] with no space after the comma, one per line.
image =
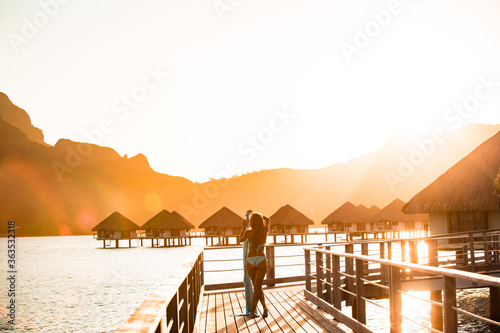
[274,262]
[327,285]
[450,272]
[466,256]
[172,307]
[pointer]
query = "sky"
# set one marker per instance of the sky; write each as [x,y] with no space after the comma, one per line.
[217,88]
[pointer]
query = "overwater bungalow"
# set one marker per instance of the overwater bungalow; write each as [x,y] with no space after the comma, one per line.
[116,227]
[349,219]
[392,219]
[289,221]
[222,225]
[463,198]
[169,227]
[373,210]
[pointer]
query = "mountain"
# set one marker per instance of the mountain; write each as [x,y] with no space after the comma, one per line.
[17,117]
[376,178]
[70,187]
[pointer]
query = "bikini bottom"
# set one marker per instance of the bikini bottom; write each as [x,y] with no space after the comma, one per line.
[254,261]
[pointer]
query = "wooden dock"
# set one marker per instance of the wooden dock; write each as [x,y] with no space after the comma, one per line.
[339,278]
[289,311]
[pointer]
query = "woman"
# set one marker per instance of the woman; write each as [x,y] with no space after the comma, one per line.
[256,264]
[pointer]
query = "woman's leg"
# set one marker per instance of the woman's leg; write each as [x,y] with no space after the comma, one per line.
[258,292]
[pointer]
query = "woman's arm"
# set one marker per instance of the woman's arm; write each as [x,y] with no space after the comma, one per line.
[267,222]
[243,233]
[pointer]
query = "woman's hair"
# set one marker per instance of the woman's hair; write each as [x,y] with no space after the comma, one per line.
[257,224]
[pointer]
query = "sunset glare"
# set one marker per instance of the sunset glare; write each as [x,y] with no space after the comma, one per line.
[194,85]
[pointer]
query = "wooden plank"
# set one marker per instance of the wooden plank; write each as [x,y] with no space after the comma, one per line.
[325,320]
[284,309]
[276,311]
[235,321]
[305,325]
[240,297]
[232,310]
[220,315]
[273,318]
[210,326]
[288,312]
[337,314]
[201,324]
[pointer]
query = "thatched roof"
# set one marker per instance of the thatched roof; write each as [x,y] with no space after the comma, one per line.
[393,213]
[373,210]
[287,215]
[116,222]
[363,208]
[348,213]
[466,186]
[224,217]
[183,219]
[497,184]
[165,220]
[370,212]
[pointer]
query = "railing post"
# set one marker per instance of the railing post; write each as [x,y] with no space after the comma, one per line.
[191,315]
[337,294]
[319,275]
[432,248]
[486,249]
[463,255]
[364,251]
[360,291]
[172,316]
[270,266]
[472,255]
[307,259]
[349,269]
[182,307]
[450,301]
[202,268]
[413,252]
[382,250]
[495,304]
[395,299]
[383,268]
[328,259]
[435,295]
[495,249]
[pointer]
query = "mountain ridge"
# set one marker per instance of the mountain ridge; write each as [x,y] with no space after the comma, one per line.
[72,186]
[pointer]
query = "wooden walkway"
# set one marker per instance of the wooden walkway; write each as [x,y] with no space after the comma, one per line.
[289,311]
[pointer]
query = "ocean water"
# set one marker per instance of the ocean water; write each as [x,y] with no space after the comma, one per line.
[72,284]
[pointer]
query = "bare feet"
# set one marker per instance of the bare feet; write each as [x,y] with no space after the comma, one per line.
[253,315]
[264,314]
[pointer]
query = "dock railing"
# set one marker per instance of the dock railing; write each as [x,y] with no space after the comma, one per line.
[173,306]
[213,266]
[475,251]
[333,277]
[366,265]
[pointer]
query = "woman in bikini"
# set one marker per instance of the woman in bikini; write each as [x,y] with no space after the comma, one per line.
[256,264]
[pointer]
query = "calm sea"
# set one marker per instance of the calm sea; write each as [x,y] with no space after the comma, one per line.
[71,284]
